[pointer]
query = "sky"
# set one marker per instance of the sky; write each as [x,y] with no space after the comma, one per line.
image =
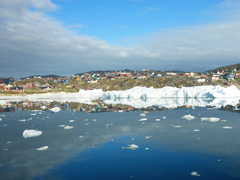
[71,36]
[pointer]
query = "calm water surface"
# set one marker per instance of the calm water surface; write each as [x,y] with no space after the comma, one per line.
[96,145]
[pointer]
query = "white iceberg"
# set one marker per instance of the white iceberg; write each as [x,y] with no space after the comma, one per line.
[227,127]
[29,133]
[131,147]
[210,119]
[43,148]
[195,173]
[188,117]
[55,109]
[142,97]
[68,127]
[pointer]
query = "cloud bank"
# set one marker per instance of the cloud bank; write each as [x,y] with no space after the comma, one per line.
[34,43]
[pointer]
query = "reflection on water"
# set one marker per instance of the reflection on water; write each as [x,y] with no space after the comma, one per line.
[123,104]
[82,145]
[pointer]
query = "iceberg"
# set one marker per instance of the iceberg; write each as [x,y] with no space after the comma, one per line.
[142,97]
[29,133]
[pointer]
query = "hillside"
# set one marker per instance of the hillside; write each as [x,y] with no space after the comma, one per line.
[227,68]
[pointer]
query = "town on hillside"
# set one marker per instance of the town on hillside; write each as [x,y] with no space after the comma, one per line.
[119,80]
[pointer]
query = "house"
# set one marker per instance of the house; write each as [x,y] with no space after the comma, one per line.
[171,74]
[190,74]
[202,80]
[229,76]
[237,75]
[215,77]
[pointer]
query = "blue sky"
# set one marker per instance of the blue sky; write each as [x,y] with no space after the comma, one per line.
[72,36]
[116,20]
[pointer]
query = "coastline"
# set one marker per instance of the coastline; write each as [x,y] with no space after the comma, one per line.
[142,96]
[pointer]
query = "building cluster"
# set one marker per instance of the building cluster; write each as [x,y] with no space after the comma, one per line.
[32,82]
[53,81]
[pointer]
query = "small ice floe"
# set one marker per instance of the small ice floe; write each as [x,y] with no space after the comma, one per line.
[9,142]
[148,137]
[195,173]
[43,148]
[33,114]
[131,147]
[94,120]
[143,114]
[158,119]
[143,119]
[28,133]
[210,119]
[176,126]
[61,125]
[81,136]
[68,127]
[227,127]
[55,109]
[147,148]
[71,121]
[0,119]
[196,130]
[188,117]
[164,117]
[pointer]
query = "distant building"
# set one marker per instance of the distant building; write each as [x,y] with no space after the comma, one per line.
[215,77]
[202,80]
[229,76]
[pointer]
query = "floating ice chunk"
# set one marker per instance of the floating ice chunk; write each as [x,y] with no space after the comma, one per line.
[176,126]
[131,147]
[188,117]
[143,114]
[68,127]
[143,119]
[81,136]
[0,119]
[157,119]
[61,125]
[147,148]
[148,137]
[210,119]
[33,114]
[43,148]
[55,109]
[28,133]
[195,173]
[164,117]
[227,127]
[196,130]
[71,121]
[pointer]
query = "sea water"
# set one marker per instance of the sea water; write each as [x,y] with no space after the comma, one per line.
[164,144]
